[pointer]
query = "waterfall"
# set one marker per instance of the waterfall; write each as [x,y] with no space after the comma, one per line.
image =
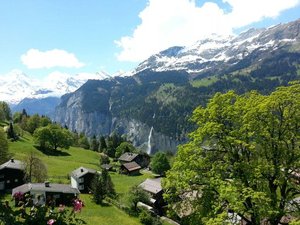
[149,141]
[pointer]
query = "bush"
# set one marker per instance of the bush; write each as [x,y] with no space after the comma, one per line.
[146,219]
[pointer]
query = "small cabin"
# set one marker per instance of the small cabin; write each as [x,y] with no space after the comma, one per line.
[82,178]
[154,188]
[44,193]
[12,174]
[142,160]
[131,168]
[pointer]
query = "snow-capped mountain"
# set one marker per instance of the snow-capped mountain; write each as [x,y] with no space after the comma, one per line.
[16,85]
[218,53]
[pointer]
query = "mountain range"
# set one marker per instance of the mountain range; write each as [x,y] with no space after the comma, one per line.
[153,105]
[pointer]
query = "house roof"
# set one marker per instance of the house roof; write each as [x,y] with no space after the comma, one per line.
[13,164]
[128,156]
[81,171]
[106,166]
[152,185]
[61,188]
[131,166]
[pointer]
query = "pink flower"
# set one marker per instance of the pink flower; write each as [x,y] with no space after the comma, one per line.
[51,221]
[78,204]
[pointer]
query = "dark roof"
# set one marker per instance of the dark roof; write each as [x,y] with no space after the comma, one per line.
[132,166]
[13,164]
[61,188]
[81,171]
[152,185]
[128,156]
[106,166]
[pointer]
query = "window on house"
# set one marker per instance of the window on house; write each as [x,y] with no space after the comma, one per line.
[8,181]
[16,180]
[81,180]
[81,187]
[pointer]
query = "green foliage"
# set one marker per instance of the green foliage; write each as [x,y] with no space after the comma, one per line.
[241,157]
[35,169]
[102,144]
[146,219]
[124,147]
[53,136]
[4,153]
[160,163]
[104,159]
[83,142]
[94,144]
[137,194]
[37,215]
[102,187]
[5,112]
[11,133]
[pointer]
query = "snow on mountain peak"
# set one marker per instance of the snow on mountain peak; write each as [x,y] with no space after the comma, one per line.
[16,85]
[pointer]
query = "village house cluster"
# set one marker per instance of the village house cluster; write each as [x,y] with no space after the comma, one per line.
[12,175]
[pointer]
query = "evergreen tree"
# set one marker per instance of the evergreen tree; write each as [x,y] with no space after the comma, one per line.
[94,143]
[11,133]
[102,144]
[102,187]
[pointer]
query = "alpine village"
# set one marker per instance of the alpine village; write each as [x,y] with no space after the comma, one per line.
[207,134]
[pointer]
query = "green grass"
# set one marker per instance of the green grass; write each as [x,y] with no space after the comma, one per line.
[104,215]
[204,82]
[60,165]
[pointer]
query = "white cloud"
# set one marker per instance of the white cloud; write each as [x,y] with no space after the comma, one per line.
[167,23]
[36,59]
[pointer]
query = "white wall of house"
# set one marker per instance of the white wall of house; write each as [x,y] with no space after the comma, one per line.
[74,182]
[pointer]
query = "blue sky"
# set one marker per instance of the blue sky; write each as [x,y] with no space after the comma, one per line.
[43,36]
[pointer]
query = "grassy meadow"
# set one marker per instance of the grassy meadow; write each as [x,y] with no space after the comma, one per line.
[60,165]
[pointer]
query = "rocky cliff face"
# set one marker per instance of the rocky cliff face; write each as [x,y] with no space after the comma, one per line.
[80,113]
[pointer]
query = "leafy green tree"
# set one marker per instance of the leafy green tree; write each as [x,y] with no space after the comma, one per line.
[4,154]
[53,136]
[33,122]
[124,147]
[160,163]
[241,158]
[137,194]
[5,112]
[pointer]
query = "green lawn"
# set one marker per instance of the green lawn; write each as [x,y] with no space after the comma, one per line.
[59,166]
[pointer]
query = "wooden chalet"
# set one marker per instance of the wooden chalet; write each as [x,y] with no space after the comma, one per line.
[131,168]
[142,160]
[153,187]
[46,192]
[82,178]
[11,174]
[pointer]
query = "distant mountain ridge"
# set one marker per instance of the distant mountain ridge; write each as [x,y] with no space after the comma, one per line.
[153,106]
[16,85]
[215,54]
